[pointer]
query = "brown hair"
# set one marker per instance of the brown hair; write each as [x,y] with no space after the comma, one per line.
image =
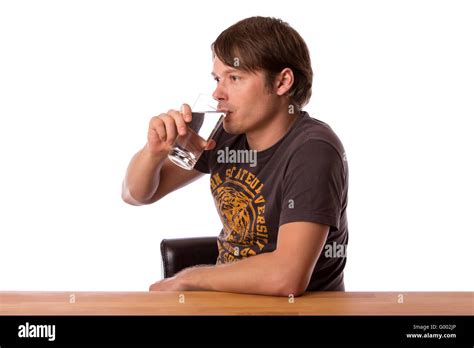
[271,45]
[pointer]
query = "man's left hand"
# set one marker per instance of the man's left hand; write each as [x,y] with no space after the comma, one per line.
[169,284]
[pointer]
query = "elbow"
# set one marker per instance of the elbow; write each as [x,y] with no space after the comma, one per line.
[291,290]
[287,280]
[290,285]
[128,198]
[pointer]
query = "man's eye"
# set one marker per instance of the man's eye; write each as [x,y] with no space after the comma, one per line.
[216,79]
[234,78]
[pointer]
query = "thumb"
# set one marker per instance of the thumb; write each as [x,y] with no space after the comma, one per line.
[211,144]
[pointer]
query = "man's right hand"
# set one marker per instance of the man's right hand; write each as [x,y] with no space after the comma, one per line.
[165,128]
[150,174]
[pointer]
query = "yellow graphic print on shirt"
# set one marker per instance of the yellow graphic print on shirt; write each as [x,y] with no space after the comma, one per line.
[241,206]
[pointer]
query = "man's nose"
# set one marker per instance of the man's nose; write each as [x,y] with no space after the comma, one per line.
[219,93]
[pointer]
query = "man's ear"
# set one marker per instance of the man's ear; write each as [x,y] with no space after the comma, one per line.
[283,81]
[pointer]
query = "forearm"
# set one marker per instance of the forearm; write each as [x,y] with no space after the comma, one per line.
[262,274]
[143,175]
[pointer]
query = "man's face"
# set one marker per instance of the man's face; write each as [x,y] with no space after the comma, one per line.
[245,97]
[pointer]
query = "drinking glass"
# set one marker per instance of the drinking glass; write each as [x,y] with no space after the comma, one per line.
[187,149]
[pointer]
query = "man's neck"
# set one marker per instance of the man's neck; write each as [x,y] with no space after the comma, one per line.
[265,137]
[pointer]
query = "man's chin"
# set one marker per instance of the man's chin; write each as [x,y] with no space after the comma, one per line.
[229,129]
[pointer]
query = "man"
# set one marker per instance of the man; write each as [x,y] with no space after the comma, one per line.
[284,217]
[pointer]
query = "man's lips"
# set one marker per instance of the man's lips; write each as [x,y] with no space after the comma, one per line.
[223,109]
[227,112]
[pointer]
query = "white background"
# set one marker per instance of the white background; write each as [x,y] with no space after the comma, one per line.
[79,81]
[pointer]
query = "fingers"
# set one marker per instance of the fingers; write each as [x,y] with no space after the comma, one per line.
[179,120]
[171,128]
[157,129]
[171,124]
[165,128]
[207,145]
[154,287]
[186,112]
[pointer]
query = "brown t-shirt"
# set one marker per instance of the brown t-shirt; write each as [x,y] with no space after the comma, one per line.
[303,177]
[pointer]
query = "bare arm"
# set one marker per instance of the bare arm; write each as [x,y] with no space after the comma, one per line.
[149,179]
[285,271]
[150,175]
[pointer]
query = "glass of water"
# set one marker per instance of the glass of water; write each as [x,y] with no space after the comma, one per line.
[187,149]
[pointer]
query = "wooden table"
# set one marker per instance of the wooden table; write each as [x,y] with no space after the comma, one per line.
[220,303]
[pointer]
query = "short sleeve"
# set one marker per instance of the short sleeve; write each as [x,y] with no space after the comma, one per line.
[314,185]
